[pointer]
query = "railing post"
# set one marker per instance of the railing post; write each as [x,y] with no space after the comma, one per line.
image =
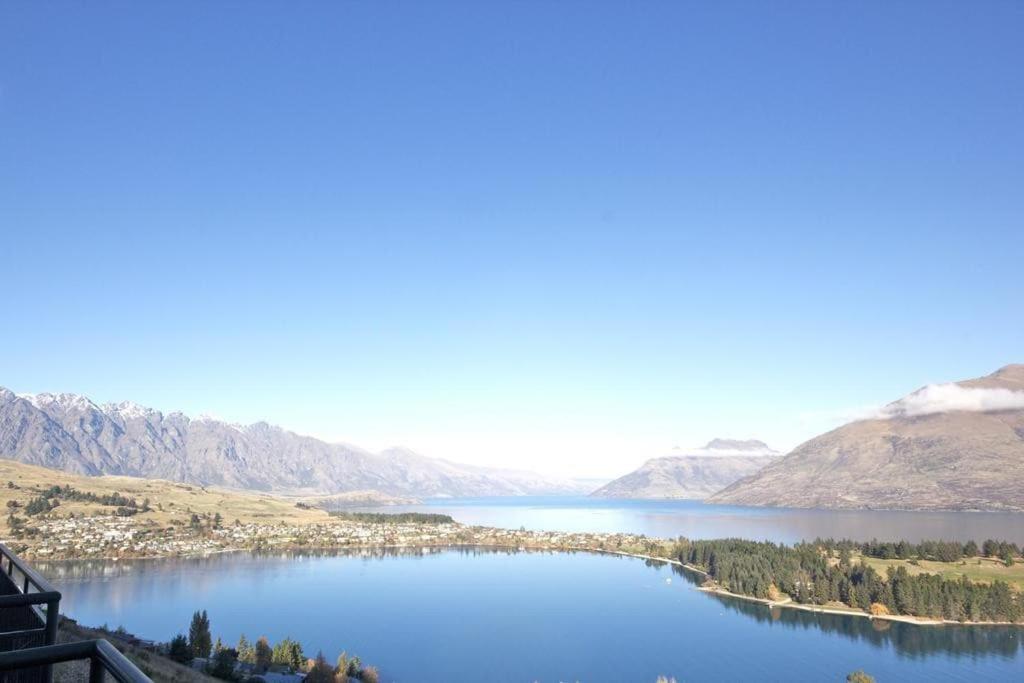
[96,671]
[52,621]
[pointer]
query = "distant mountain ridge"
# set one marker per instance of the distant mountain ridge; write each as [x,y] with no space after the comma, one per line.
[955,446]
[72,433]
[695,475]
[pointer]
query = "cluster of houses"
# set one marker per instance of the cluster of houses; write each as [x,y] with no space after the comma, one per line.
[119,537]
[106,536]
[336,533]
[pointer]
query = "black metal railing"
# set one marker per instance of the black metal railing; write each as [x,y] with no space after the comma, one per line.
[103,659]
[29,616]
[29,611]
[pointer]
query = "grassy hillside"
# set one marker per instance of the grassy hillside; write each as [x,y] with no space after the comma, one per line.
[170,502]
[159,668]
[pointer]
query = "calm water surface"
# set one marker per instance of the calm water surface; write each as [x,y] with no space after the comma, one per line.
[476,615]
[694,519]
[469,615]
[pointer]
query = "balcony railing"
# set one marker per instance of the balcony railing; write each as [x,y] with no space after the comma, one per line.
[29,616]
[29,612]
[103,659]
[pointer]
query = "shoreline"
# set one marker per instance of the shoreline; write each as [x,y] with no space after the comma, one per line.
[711,590]
[819,609]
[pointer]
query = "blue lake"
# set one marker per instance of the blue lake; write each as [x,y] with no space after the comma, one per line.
[472,615]
[467,615]
[693,519]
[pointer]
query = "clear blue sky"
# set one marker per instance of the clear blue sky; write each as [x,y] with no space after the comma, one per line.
[559,235]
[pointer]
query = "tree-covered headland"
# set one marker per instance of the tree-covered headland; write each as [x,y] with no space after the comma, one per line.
[825,572]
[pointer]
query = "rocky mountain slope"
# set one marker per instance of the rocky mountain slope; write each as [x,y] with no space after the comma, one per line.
[957,446]
[693,476]
[70,432]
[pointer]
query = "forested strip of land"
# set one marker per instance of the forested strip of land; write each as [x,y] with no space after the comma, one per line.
[394,517]
[823,572]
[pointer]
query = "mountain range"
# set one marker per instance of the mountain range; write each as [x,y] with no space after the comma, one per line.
[695,474]
[955,446]
[72,433]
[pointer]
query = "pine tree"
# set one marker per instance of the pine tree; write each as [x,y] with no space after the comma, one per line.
[199,635]
[246,653]
[321,671]
[224,664]
[296,657]
[280,655]
[179,650]
[263,654]
[859,677]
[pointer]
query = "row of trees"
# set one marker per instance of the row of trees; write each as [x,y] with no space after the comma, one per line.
[198,643]
[941,551]
[319,670]
[114,499]
[808,574]
[261,656]
[394,517]
[51,497]
[206,521]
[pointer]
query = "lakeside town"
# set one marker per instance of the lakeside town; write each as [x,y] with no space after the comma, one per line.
[962,582]
[112,537]
[826,587]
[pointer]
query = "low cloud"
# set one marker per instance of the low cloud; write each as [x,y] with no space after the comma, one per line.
[945,398]
[706,452]
[931,400]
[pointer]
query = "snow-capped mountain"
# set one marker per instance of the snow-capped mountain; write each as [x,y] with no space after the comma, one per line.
[72,433]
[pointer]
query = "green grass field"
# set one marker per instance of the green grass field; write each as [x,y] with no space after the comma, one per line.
[987,571]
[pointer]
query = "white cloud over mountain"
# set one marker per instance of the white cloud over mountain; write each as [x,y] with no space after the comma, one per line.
[718,448]
[944,398]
